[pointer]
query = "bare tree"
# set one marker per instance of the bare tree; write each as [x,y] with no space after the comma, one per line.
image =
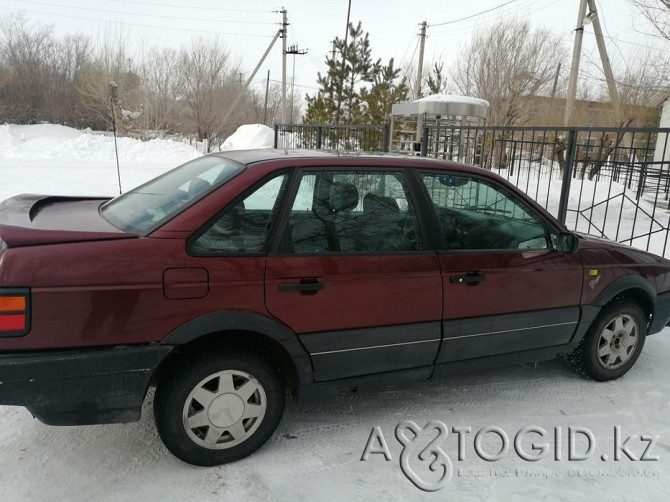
[70,81]
[162,81]
[207,82]
[22,47]
[657,12]
[111,63]
[65,63]
[508,64]
[437,80]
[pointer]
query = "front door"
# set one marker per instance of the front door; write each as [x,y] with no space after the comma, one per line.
[505,288]
[350,275]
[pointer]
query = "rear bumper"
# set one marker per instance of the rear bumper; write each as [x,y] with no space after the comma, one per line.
[662,313]
[80,387]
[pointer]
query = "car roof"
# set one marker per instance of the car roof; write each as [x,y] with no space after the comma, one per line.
[303,157]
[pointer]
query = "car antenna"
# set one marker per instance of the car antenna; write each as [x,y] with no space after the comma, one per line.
[113,99]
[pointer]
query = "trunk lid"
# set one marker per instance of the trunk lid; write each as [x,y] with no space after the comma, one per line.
[32,220]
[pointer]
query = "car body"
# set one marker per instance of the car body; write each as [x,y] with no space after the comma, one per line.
[239,276]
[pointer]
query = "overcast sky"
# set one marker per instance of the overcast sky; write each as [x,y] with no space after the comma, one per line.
[248,27]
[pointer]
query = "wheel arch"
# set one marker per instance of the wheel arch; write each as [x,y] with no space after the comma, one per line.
[242,330]
[638,290]
[634,287]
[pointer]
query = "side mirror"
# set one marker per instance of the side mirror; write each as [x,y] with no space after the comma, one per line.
[565,242]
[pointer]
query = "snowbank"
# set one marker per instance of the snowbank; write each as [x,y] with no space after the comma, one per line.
[250,136]
[50,141]
[453,98]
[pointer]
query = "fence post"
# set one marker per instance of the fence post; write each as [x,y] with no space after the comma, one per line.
[567,176]
[642,181]
[385,141]
[319,137]
[276,135]
[424,142]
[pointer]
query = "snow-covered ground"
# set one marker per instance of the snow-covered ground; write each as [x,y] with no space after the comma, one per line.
[317,449]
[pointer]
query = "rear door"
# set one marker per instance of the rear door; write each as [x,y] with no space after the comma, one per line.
[350,274]
[505,288]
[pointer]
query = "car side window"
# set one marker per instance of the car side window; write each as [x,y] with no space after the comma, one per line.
[476,215]
[352,212]
[243,226]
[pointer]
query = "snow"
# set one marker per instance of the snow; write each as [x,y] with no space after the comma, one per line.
[316,451]
[592,202]
[59,160]
[129,115]
[250,136]
[452,98]
[48,141]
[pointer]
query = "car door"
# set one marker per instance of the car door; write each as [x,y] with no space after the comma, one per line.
[505,288]
[350,275]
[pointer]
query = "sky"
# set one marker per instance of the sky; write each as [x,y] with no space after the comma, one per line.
[247,28]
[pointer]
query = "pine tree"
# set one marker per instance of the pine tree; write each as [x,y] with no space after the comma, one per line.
[358,68]
[338,99]
[383,94]
[322,108]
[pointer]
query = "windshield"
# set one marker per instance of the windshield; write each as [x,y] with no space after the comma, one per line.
[149,206]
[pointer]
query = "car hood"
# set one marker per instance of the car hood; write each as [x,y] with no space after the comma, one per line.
[632,254]
[30,220]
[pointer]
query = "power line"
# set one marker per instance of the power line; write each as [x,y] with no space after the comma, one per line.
[298,85]
[125,13]
[190,7]
[409,65]
[474,15]
[585,75]
[636,44]
[409,44]
[124,23]
[468,27]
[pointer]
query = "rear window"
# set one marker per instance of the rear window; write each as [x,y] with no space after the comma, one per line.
[149,206]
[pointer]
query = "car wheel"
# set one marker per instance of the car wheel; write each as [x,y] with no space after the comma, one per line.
[613,342]
[218,407]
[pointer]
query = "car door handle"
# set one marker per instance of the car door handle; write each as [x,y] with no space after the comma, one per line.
[467,279]
[304,286]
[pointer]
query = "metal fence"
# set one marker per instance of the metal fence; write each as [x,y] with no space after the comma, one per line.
[366,138]
[610,182]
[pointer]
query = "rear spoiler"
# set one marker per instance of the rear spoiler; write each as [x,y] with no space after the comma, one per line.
[18,227]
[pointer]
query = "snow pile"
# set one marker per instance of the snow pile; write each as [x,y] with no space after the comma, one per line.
[453,98]
[250,136]
[49,141]
[18,141]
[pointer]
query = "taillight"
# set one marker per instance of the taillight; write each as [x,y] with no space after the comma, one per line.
[14,312]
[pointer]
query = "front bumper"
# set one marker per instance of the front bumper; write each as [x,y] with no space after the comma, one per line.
[80,387]
[661,314]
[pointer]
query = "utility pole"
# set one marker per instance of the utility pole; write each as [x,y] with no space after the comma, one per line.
[333,51]
[422,44]
[284,34]
[574,66]
[232,107]
[267,90]
[558,73]
[300,52]
[605,60]
[419,70]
